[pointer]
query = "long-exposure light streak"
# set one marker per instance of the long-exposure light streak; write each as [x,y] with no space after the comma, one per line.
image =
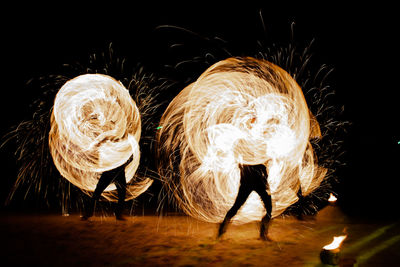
[239,111]
[96,127]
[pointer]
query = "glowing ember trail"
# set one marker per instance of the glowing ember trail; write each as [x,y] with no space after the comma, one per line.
[95,127]
[240,110]
[337,241]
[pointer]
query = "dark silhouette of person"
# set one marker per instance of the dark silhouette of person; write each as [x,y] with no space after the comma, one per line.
[299,213]
[116,176]
[252,178]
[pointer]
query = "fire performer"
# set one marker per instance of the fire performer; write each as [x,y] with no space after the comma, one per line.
[116,176]
[252,178]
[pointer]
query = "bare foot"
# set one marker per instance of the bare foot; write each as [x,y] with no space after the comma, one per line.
[85,218]
[222,229]
[120,218]
[266,238]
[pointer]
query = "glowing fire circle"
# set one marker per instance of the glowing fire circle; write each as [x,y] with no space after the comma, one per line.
[96,127]
[240,110]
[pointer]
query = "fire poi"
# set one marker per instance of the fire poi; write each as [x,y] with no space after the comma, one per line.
[95,127]
[240,110]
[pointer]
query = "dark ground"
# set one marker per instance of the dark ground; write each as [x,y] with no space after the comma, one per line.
[54,240]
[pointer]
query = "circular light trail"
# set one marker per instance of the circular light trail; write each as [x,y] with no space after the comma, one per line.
[239,111]
[96,127]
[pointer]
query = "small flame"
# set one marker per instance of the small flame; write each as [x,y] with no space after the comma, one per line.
[337,241]
[332,198]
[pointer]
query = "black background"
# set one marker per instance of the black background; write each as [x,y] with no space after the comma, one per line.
[359,41]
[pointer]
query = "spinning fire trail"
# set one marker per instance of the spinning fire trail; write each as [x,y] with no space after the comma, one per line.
[239,111]
[104,107]
[96,127]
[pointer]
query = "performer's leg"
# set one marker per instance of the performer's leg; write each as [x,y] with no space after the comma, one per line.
[266,199]
[241,198]
[120,183]
[105,179]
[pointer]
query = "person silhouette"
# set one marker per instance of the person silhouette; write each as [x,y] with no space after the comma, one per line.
[116,176]
[252,178]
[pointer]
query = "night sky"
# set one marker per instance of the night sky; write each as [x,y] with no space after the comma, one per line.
[359,42]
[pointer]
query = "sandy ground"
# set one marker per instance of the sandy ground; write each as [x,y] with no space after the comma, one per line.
[54,240]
